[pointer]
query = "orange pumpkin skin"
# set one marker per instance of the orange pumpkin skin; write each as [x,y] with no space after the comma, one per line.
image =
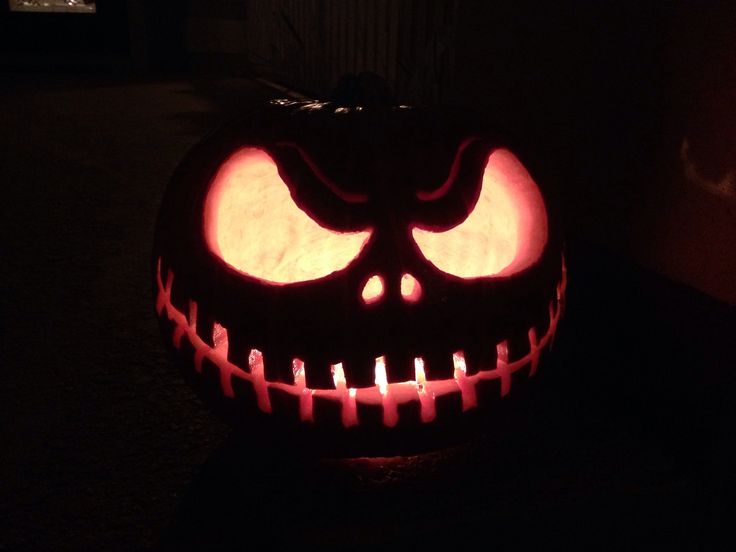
[369,274]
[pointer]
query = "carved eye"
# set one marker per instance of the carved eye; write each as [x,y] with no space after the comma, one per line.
[252,223]
[505,232]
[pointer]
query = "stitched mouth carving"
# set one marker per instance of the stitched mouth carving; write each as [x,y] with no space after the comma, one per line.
[419,399]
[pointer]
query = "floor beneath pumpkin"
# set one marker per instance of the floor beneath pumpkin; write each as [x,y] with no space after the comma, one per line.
[104,446]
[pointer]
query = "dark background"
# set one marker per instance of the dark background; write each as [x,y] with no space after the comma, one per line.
[627,438]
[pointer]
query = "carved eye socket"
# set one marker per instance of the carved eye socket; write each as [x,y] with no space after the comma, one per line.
[505,232]
[252,223]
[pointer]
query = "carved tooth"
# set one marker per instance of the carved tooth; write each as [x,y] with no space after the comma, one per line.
[255,361]
[420,377]
[338,376]
[192,314]
[380,372]
[390,413]
[467,386]
[297,368]
[502,366]
[534,351]
[305,396]
[458,361]
[347,396]
[502,352]
[426,397]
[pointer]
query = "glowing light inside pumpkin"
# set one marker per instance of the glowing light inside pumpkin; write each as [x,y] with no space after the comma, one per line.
[467,389]
[297,368]
[306,409]
[419,374]
[381,380]
[255,363]
[372,290]
[505,232]
[252,223]
[411,290]
[338,375]
[426,396]
[458,360]
[347,396]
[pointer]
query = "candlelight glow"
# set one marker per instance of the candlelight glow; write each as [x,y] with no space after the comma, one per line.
[381,380]
[411,290]
[372,290]
[505,232]
[252,223]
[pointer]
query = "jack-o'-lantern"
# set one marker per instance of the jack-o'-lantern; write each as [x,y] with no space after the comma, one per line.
[354,270]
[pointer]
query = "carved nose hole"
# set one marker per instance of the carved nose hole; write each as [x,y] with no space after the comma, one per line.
[411,289]
[372,290]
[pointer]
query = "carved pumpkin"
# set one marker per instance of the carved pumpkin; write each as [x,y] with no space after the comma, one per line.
[357,269]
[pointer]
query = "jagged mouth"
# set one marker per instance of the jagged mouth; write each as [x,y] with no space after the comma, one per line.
[353,406]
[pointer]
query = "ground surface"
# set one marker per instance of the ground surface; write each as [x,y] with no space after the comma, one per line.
[104,447]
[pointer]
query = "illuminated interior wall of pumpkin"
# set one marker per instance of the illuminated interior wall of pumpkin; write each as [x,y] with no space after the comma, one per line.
[252,223]
[505,232]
